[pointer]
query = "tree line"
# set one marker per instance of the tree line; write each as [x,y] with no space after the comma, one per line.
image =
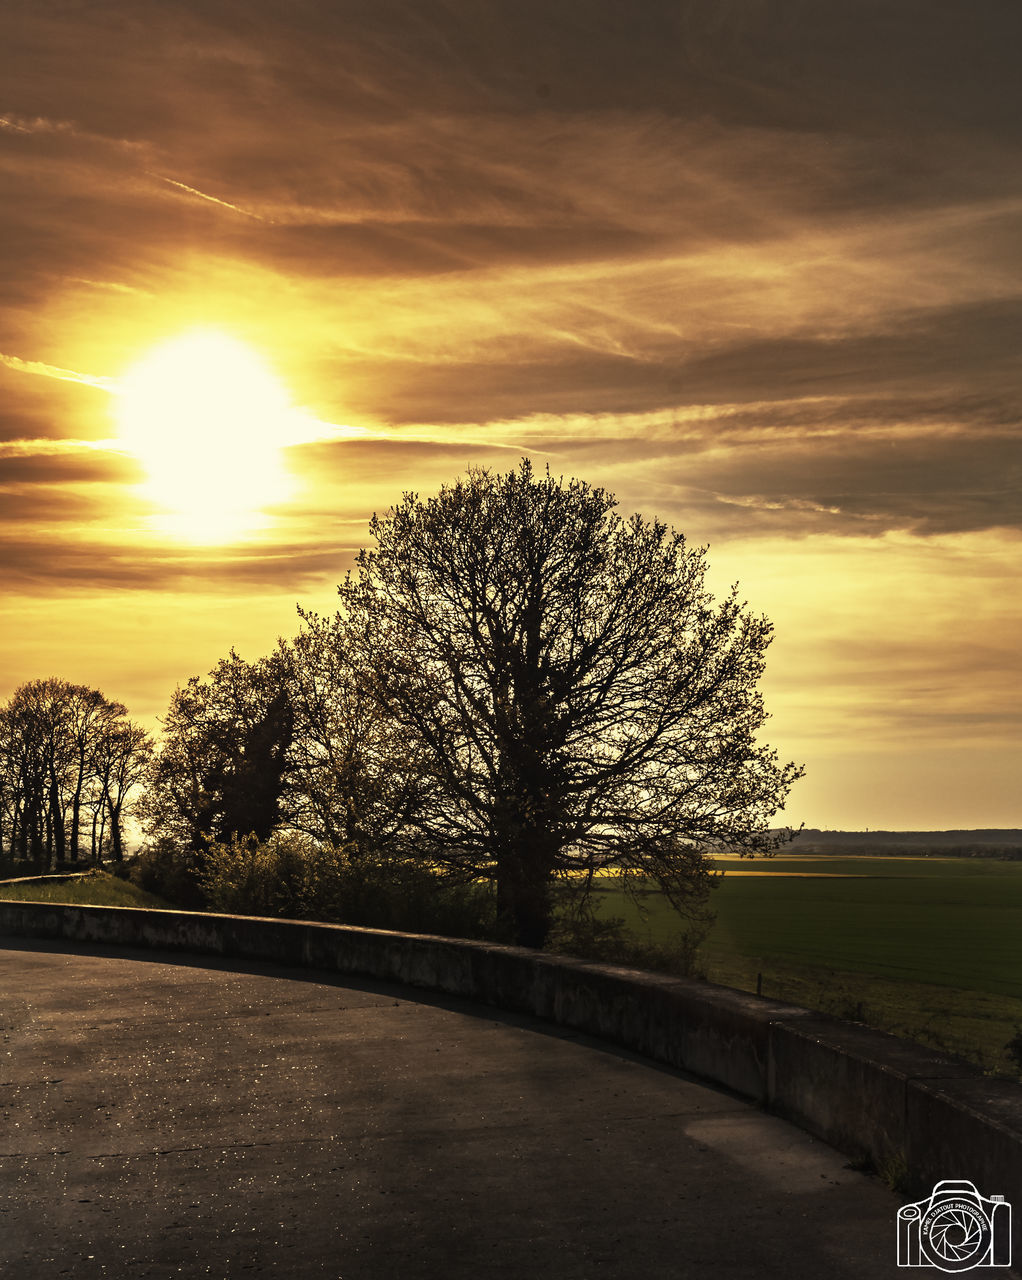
[519,689]
[69,762]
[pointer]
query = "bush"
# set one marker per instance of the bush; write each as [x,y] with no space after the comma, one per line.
[610,942]
[580,931]
[293,876]
[286,875]
[168,870]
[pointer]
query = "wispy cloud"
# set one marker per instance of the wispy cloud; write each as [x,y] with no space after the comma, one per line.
[54,448]
[202,195]
[43,370]
[113,286]
[43,125]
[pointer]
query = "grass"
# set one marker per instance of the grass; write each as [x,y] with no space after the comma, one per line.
[927,948]
[95,890]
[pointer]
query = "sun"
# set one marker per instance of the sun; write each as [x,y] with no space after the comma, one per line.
[207,419]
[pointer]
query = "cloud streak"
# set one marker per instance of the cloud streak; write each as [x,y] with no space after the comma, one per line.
[202,195]
[42,370]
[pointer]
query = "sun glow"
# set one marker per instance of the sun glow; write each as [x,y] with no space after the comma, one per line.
[207,419]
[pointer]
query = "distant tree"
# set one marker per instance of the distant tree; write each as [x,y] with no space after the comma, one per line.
[23,763]
[575,695]
[221,768]
[120,764]
[90,723]
[53,737]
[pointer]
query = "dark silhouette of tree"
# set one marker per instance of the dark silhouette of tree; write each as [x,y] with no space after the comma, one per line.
[89,721]
[54,736]
[251,782]
[22,734]
[220,770]
[578,698]
[120,763]
[354,777]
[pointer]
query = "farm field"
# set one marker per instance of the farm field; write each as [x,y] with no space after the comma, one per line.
[929,948]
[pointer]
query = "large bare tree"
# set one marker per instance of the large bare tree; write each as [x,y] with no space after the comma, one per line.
[579,699]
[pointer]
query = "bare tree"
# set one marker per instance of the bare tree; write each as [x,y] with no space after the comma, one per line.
[87,720]
[580,699]
[24,770]
[38,760]
[54,736]
[120,764]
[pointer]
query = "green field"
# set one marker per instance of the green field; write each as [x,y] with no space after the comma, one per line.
[929,948]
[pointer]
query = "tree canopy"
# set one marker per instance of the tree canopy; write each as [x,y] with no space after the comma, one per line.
[519,686]
[354,778]
[572,691]
[221,768]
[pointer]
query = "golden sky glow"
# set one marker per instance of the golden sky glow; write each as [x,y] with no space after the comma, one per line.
[755,268]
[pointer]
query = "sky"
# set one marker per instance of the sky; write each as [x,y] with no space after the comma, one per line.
[754,266]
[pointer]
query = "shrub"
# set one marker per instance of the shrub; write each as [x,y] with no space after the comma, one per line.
[286,875]
[290,875]
[167,869]
[579,931]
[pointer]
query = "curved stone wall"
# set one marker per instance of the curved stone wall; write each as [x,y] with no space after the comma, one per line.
[880,1099]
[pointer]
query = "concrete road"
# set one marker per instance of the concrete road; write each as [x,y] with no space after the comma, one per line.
[168,1118]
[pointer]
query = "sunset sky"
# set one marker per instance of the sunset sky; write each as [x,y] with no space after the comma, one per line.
[753,265]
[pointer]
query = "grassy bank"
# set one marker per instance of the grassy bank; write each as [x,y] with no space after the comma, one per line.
[94,890]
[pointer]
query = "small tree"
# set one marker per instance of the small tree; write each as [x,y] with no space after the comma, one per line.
[577,697]
[220,770]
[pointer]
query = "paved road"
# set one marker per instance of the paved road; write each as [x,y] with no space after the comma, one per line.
[161,1118]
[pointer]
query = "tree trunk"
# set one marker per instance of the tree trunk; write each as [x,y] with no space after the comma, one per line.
[115,833]
[76,804]
[38,845]
[532,919]
[57,821]
[524,907]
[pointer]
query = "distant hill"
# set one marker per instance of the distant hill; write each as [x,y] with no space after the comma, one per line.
[989,842]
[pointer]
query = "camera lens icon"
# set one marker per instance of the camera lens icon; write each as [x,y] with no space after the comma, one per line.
[959,1236]
[955,1230]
